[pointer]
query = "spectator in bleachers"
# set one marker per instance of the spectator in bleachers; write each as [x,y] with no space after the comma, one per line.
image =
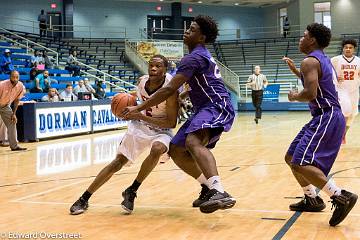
[11,91]
[41,83]
[33,73]
[6,63]
[173,69]
[67,95]
[52,96]
[84,86]
[37,60]
[72,64]
[286,27]
[42,23]
[257,82]
[99,90]
[48,61]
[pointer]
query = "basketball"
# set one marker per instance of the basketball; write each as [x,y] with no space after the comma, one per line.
[121,101]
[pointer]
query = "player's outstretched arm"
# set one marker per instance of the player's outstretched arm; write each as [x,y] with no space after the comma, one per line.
[172,108]
[160,95]
[292,66]
[310,68]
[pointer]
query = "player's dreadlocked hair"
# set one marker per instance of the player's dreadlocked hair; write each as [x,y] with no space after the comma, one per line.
[166,63]
[208,27]
[349,41]
[321,33]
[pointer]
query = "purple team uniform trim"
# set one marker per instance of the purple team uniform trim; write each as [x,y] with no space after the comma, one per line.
[211,100]
[319,141]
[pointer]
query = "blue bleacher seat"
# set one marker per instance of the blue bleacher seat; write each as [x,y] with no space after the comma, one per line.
[4,76]
[13,50]
[27,85]
[58,85]
[110,94]
[24,77]
[67,79]
[33,96]
[20,56]
[18,62]
[5,44]
[51,71]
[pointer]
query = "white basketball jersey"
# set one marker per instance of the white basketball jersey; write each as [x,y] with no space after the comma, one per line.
[158,111]
[348,70]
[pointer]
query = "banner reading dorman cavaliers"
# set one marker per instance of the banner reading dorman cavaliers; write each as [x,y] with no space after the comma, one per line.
[173,51]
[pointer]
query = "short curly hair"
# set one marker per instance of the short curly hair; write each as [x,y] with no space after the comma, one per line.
[349,41]
[321,33]
[163,58]
[208,27]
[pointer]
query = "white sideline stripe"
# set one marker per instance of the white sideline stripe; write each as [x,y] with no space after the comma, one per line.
[49,190]
[185,208]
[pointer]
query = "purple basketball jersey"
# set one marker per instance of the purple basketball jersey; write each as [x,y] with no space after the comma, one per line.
[327,95]
[205,81]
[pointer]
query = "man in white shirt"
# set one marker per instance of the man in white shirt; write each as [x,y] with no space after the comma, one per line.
[257,82]
[67,95]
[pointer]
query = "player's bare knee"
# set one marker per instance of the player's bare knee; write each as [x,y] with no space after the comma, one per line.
[118,162]
[191,144]
[288,159]
[157,149]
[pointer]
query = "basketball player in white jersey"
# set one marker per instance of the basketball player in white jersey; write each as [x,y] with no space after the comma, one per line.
[152,128]
[347,67]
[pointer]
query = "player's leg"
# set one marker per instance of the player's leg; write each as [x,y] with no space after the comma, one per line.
[185,162]
[315,161]
[104,175]
[349,120]
[253,98]
[196,143]
[260,99]
[150,162]
[311,201]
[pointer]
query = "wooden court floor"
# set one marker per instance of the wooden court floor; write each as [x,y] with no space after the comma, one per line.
[38,186]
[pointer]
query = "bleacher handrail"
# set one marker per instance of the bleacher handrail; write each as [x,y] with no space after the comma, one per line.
[34,43]
[138,61]
[17,43]
[105,81]
[230,78]
[105,74]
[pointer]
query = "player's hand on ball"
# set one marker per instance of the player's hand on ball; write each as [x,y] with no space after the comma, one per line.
[134,115]
[129,110]
[292,95]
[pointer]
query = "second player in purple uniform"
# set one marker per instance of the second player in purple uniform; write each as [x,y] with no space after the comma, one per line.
[314,150]
[213,114]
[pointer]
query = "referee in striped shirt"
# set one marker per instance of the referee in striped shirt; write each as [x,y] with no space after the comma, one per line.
[257,82]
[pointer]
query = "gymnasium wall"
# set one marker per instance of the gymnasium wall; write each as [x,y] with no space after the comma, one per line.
[271,17]
[112,15]
[248,20]
[133,16]
[344,14]
[24,9]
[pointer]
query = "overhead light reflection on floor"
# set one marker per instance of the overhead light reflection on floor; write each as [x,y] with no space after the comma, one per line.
[71,155]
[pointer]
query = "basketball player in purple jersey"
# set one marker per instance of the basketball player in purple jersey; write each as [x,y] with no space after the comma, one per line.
[213,114]
[314,150]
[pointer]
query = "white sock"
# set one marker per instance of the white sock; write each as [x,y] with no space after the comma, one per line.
[202,180]
[331,189]
[310,191]
[215,183]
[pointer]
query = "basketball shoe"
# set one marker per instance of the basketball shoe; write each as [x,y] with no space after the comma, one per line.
[308,204]
[129,196]
[343,205]
[216,200]
[79,206]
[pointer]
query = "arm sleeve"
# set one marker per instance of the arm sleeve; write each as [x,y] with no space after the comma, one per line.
[189,66]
